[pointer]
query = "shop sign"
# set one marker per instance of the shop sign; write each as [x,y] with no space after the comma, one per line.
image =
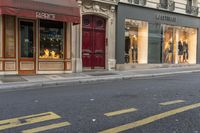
[43,15]
[164,17]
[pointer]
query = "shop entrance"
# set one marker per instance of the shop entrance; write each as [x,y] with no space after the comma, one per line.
[26,52]
[93,44]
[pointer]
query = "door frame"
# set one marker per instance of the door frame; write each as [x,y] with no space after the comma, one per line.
[25,72]
[93,67]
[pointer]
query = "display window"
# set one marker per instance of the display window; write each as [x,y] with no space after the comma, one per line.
[179,44]
[136,41]
[51,40]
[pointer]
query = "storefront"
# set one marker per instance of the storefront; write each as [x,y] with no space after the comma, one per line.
[36,36]
[150,36]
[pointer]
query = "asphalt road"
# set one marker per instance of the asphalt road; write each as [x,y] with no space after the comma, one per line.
[168,104]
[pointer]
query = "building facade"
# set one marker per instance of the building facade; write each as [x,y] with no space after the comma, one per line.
[157,32]
[96,35]
[36,36]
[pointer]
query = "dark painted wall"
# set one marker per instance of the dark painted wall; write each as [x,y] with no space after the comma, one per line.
[147,14]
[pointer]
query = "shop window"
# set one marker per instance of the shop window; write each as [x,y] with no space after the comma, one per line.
[136,41]
[9,51]
[51,40]
[179,44]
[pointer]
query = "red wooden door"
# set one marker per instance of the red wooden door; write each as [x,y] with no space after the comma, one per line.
[93,45]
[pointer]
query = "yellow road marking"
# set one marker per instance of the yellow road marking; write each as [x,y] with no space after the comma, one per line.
[150,119]
[45,128]
[171,102]
[26,120]
[120,112]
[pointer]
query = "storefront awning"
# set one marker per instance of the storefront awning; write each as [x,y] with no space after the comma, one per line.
[58,10]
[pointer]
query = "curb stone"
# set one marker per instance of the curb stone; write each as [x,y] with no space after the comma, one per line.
[87,80]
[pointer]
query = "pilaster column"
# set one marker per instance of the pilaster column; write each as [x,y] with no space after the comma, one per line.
[77,44]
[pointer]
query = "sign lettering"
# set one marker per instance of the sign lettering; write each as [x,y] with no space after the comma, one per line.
[163,17]
[43,15]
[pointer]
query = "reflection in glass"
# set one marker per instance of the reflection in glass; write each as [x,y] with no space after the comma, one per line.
[179,44]
[26,34]
[51,39]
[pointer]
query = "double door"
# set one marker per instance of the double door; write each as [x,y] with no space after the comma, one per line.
[93,45]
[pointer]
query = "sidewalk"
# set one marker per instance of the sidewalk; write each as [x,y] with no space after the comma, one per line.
[14,82]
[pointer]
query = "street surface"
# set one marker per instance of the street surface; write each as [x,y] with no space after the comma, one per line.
[168,104]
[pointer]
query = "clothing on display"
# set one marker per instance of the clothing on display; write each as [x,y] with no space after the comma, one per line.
[134,49]
[169,53]
[180,51]
[185,51]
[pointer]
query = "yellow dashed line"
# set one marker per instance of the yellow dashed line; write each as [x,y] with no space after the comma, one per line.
[45,128]
[26,120]
[150,119]
[120,112]
[171,102]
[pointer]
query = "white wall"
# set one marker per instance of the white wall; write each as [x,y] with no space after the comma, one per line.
[143,44]
[192,47]
[180,5]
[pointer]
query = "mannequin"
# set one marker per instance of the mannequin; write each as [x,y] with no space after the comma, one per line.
[133,51]
[185,51]
[169,52]
[180,52]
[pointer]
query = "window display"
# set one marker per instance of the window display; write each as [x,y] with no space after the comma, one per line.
[180,44]
[168,45]
[51,40]
[136,41]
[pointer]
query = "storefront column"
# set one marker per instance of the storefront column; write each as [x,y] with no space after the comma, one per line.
[76,48]
[111,29]
[198,47]
[37,45]
[17,45]
[76,45]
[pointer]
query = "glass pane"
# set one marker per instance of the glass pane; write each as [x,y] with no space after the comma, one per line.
[136,41]
[155,43]
[168,47]
[27,46]
[51,40]
[180,44]
[9,36]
